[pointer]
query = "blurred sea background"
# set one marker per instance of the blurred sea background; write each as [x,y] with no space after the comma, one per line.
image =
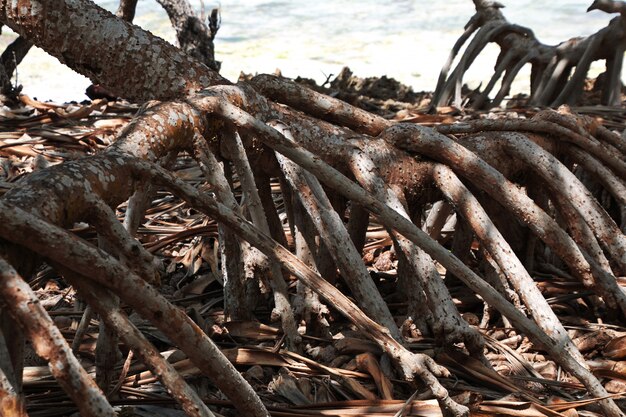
[408,40]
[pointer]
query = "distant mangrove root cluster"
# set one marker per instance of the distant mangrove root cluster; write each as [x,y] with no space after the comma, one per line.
[519,189]
[558,73]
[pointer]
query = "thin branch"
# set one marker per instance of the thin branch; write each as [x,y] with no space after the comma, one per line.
[23,304]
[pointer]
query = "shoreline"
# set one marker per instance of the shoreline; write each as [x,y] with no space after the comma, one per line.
[412,50]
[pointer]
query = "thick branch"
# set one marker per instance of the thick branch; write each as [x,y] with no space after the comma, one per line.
[129,62]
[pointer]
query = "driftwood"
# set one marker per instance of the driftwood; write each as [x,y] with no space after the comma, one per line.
[195,37]
[9,60]
[328,155]
[558,72]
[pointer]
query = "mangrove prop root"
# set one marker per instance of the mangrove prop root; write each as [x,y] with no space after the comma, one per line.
[106,305]
[129,171]
[235,148]
[86,260]
[392,163]
[333,232]
[49,343]
[552,80]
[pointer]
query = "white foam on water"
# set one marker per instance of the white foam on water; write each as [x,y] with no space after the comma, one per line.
[405,39]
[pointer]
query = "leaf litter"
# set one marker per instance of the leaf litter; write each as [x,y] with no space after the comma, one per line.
[339,375]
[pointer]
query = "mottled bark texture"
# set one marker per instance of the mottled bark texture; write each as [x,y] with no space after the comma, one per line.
[327,152]
[118,55]
[558,72]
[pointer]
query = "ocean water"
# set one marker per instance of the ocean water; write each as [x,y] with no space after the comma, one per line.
[405,39]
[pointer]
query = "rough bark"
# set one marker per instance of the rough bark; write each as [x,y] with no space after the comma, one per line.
[234,147]
[332,231]
[10,402]
[121,61]
[394,173]
[135,291]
